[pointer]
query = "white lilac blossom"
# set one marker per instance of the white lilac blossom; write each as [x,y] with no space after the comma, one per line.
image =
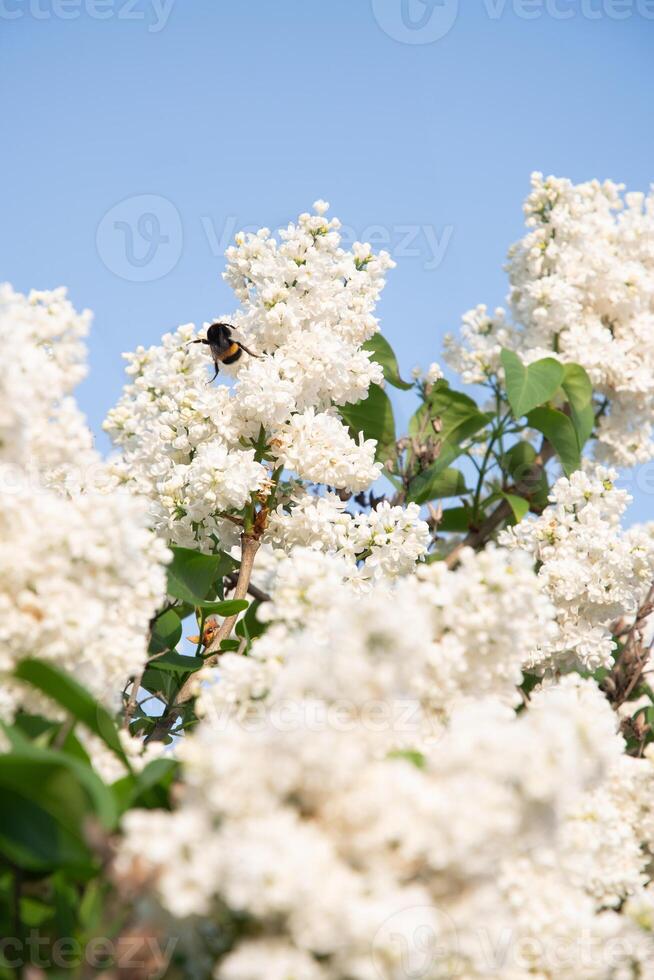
[368,789]
[338,637]
[81,575]
[80,579]
[43,436]
[270,958]
[319,448]
[309,839]
[582,290]
[592,571]
[388,540]
[306,308]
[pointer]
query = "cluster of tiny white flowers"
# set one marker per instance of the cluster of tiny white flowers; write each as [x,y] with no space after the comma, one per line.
[593,572]
[80,573]
[475,353]
[336,847]
[608,833]
[43,436]
[342,637]
[389,540]
[319,448]
[371,787]
[80,579]
[306,308]
[582,289]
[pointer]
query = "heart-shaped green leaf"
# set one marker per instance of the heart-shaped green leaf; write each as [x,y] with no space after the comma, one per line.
[529,386]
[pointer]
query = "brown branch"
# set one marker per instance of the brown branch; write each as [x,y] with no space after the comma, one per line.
[130,707]
[253,590]
[628,669]
[249,547]
[250,544]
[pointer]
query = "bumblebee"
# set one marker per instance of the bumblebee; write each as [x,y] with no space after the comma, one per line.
[224,349]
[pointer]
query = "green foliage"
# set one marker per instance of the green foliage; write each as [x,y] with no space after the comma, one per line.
[435,483]
[67,692]
[455,519]
[48,797]
[177,663]
[382,352]
[532,385]
[560,432]
[192,574]
[250,626]
[166,632]
[447,418]
[458,415]
[579,392]
[226,607]
[58,817]
[416,758]
[519,506]
[374,418]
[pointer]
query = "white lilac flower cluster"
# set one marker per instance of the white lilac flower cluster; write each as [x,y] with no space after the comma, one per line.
[335,637]
[306,308]
[347,859]
[44,438]
[582,290]
[391,539]
[592,571]
[80,573]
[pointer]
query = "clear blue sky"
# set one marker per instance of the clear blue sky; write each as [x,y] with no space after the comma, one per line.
[243,112]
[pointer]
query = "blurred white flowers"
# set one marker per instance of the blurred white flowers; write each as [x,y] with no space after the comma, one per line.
[81,575]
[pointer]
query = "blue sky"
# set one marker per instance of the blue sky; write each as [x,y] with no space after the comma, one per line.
[143,133]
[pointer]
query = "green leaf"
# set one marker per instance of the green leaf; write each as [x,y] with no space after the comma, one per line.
[162,683]
[455,519]
[560,432]
[227,607]
[226,566]
[177,663]
[191,574]
[383,354]
[530,386]
[433,484]
[518,461]
[230,646]
[166,632]
[459,415]
[66,691]
[459,419]
[148,788]
[47,799]
[374,418]
[579,391]
[518,505]
[519,464]
[416,758]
